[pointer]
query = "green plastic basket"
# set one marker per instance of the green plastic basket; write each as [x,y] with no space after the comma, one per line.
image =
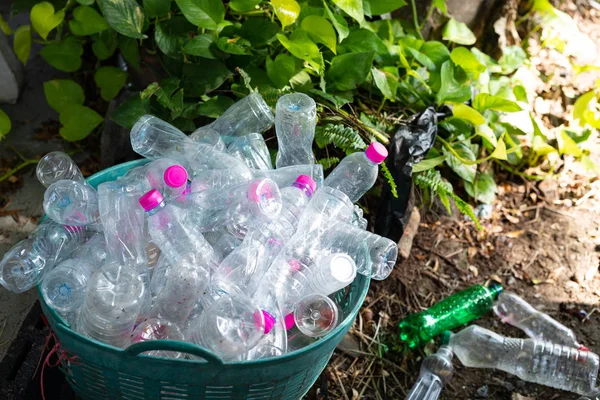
[100,371]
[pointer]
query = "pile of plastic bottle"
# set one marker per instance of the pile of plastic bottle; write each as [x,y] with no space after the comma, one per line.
[207,242]
[551,356]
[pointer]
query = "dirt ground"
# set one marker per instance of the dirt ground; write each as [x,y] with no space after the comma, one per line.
[542,241]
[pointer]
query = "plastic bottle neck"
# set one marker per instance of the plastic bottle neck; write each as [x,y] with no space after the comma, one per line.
[156,209]
[305,189]
[368,160]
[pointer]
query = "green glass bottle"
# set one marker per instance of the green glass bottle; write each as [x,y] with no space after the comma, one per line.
[452,312]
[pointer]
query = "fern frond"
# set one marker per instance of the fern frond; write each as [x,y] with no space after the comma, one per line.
[390,179]
[328,162]
[341,136]
[432,180]
[272,95]
[246,78]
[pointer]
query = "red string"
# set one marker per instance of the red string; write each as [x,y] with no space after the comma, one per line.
[56,349]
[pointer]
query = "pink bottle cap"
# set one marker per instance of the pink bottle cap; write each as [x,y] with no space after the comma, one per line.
[175,176]
[295,265]
[151,200]
[289,321]
[376,152]
[73,228]
[307,182]
[269,321]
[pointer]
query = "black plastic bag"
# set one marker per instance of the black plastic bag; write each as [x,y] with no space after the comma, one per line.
[409,145]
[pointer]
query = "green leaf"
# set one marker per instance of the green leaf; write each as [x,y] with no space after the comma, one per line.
[491,64]
[236,45]
[500,150]
[4,27]
[129,51]
[428,163]
[353,8]
[5,124]
[62,93]
[214,107]
[287,11]
[22,43]
[540,147]
[585,110]
[436,52]
[347,71]
[124,16]
[363,41]
[259,31]
[440,5]
[320,31]
[462,57]
[243,5]
[465,171]
[422,58]
[206,14]
[520,93]
[282,69]
[171,35]
[302,47]
[485,191]
[157,8]
[339,23]
[78,122]
[566,145]
[379,7]
[381,81]
[466,113]
[110,80]
[177,104]
[458,32]
[451,89]
[105,44]
[512,58]
[199,79]
[86,2]
[200,46]
[44,19]
[130,111]
[484,101]
[487,133]
[64,55]
[87,21]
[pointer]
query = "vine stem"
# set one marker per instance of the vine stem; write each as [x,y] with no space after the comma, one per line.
[429,13]
[416,19]
[17,168]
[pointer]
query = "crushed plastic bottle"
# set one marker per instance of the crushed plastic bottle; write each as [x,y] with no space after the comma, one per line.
[72,203]
[436,371]
[295,122]
[286,176]
[532,360]
[515,311]
[252,149]
[450,313]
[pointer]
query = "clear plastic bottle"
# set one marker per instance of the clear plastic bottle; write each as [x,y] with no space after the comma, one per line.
[178,241]
[57,166]
[357,218]
[164,175]
[93,251]
[159,276]
[222,243]
[112,304]
[72,203]
[154,138]
[515,311]
[436,371]
[357,172]
[532,360]
[316,315]
[158,329]
[272,344]
[331,273]
[248,115]
[123,223]
[24,264]
[252,149]
[285,176]
[230,327]
[234,207]
[64,287]
[295,122]
[294,200]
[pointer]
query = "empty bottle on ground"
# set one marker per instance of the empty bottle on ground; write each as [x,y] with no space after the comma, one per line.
[357,172]
[515,311]
[532,360]
[436,371]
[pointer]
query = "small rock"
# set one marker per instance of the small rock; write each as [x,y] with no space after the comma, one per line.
[483,391]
